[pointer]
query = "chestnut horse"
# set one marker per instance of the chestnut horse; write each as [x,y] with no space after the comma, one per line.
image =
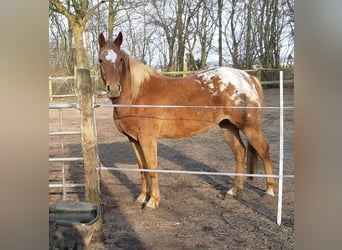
[128,81]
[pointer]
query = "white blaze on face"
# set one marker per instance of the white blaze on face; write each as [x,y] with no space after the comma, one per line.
[111,56]
[234,77]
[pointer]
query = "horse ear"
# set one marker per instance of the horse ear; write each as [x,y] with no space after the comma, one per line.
[118,40]
[102,40]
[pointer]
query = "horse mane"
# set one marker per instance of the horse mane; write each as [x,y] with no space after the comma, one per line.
[139,73]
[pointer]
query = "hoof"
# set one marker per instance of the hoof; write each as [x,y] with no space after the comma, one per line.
[270,192]
[141,198]
[234,191]
[152,203]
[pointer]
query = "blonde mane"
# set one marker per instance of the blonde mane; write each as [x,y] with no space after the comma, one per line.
[139,73]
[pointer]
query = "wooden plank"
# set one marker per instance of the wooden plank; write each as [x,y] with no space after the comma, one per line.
[61,96]
[276,82]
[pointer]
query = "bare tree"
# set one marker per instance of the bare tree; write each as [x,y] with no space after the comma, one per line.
[58,42]
[165,32]
[165,18]
[289,12]
[113,10]
[233,37]
[77,16]
[140,32]
[253,32]
[184,28]
[206,25]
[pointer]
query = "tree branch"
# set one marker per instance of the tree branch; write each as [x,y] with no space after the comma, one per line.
[76,6]
[60,8]
[93,9]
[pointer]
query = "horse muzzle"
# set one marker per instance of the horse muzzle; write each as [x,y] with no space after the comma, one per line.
[113,91]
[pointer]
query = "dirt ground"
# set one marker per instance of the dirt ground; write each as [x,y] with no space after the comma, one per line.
[194,211]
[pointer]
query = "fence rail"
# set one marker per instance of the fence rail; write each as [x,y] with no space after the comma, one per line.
[57,90]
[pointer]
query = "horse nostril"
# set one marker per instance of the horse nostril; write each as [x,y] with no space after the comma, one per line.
[108,88]
[119,87]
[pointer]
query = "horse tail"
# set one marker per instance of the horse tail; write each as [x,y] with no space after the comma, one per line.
[252,160]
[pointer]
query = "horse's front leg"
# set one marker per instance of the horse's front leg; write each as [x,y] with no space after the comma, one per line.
[145,179]
[149,149]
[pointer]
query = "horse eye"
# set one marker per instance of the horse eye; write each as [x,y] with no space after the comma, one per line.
[100,61]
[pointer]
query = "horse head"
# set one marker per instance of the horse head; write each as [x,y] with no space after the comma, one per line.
[112,65]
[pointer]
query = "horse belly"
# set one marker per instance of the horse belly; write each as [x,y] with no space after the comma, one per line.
[181,128]
[186,125]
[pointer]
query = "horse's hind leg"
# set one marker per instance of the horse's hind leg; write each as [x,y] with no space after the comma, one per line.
[232,136]
[145,179]
[257,140]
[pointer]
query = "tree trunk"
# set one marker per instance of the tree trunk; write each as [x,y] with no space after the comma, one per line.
[111,19]
[180,32]
[171,65]
[89,53]
[79,46]
[91,175]
[248,49]
[70,53]
[220,31]
[203,54]
[234,50]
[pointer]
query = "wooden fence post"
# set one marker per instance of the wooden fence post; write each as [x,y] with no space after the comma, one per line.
[185,67]
[85,97]
[259,74]
[50,88]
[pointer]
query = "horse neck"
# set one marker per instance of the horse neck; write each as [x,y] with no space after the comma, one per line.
[131,87]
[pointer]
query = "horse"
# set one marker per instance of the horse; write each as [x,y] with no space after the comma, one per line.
[128,81]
